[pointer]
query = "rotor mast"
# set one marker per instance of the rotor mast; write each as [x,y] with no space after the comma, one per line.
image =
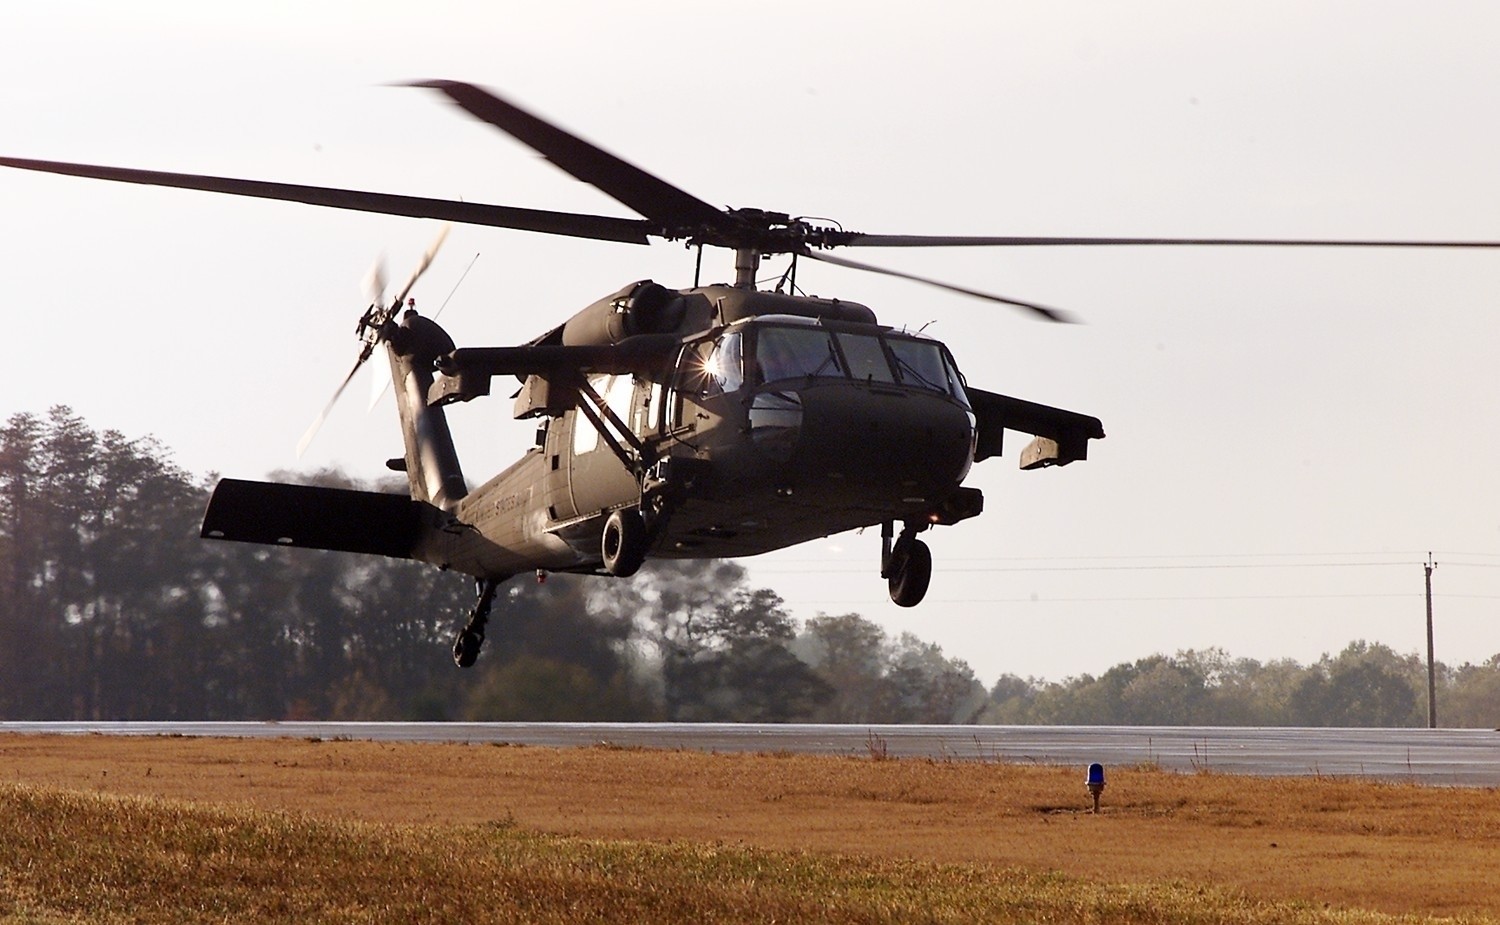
[746,265]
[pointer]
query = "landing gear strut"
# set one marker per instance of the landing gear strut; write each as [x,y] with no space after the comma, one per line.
[469,640]
[907,566]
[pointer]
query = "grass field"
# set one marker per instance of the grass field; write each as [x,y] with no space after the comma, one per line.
[170,829]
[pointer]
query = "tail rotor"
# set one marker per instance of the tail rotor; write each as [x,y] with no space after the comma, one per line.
[371,328]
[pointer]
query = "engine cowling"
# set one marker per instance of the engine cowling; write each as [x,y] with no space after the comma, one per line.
[644,307]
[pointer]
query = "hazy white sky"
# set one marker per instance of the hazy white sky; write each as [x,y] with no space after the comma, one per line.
[1331,414]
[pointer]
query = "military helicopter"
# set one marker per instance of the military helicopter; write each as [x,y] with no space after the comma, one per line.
[709,421]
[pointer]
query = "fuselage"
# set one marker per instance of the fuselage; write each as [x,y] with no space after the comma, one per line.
[774,429]
[699,423]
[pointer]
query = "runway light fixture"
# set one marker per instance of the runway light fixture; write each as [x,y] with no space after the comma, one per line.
[1095,781]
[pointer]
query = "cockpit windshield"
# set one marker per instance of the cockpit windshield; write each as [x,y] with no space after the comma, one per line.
[792,353]
[866,358]
[804,351]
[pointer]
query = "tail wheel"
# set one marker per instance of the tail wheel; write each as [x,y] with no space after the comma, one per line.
[624,543]
[910,572]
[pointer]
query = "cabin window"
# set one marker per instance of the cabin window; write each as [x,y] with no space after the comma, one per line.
[648,412]
[585,437]
[619,395]
[866,358]
[617,392]
[792,353]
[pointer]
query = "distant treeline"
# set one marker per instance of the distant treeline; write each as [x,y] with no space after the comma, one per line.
[111,607]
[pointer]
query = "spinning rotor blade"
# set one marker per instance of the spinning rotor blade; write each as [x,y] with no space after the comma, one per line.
[669,211]
[375,296]
[679,213]
[1051,314]
[572,224]
[370,326]
[317,424]
[423,264]
[847,239]
[374,284]
[844,239]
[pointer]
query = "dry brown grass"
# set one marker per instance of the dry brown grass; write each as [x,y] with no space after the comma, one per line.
[818,829]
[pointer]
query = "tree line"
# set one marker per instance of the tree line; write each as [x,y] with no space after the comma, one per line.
[111,607]
[1366,684]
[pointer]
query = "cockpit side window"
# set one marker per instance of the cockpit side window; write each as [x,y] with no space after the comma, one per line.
[711,367]
[921,364]
[724,368]
[792,353]
[955,379]
[692,368]
[866,358]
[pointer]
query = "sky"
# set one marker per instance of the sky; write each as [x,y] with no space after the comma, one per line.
[1289,431]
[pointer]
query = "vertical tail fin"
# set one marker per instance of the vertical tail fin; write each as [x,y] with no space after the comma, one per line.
[432,467]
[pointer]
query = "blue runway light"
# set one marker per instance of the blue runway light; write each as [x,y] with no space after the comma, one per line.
[1095,782]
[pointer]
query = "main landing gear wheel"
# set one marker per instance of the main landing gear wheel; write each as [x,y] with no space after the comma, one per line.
[623,544]
[910,571]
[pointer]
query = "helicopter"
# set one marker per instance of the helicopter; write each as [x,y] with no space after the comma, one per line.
[711,421]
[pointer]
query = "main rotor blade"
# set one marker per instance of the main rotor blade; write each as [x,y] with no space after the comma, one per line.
[920,240]
[1051,314]
[679,212]
[572,224]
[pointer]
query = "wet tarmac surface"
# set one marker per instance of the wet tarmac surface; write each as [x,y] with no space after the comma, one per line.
[1463,757]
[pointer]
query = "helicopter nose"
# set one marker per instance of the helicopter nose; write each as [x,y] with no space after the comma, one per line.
[902,446]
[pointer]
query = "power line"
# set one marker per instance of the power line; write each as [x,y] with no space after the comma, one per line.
[1162,567]
[1040,599]
[1206,562]
[1207,555]
[1384,554]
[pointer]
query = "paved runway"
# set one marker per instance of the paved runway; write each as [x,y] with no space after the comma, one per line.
[1463,757]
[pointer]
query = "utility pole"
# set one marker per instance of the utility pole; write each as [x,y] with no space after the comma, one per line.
[1431,673]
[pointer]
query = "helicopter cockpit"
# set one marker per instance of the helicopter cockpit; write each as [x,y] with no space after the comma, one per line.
[785,349]
[814,396]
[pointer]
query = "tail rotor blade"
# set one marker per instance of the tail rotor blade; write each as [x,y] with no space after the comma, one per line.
[422,265]
[317,423]
[374,283]
[371,327]
[379,385]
